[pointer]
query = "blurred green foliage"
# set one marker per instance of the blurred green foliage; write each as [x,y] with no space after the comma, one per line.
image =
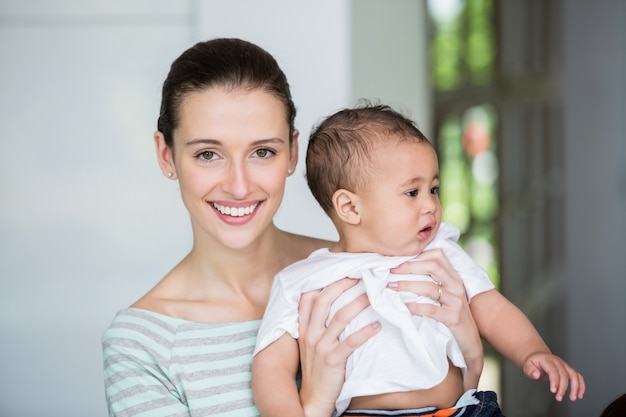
[463,52]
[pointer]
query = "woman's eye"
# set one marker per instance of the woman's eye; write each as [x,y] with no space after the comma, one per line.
[264,153]
[434,190]
[411,193]
[207,155]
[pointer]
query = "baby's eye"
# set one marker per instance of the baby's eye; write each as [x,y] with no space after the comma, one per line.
[411,193]
[435,190]
[264,153]
[207,155]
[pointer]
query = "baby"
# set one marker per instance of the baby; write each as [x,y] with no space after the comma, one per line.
[377,177]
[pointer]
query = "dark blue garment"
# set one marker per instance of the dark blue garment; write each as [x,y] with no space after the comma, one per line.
[487,407]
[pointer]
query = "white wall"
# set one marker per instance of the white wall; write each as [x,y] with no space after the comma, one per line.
[87,221]
[390,57]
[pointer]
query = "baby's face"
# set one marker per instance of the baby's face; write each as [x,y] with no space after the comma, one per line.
[400,208]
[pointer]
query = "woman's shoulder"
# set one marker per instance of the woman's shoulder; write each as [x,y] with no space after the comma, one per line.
[134,317]
[140,315]
[302,246]
[141,325]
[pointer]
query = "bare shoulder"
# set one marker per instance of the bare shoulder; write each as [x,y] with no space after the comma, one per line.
[165,298]
[160,297]
[152,301]
[299,246]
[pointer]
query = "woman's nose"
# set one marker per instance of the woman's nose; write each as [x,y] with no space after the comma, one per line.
[237,180]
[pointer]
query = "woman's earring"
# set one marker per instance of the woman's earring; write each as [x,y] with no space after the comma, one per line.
[170,174]
[289,171]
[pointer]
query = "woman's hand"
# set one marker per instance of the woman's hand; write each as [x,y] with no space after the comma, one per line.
[452,310]
[323,358]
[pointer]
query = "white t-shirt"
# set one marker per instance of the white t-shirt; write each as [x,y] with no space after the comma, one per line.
[410,352]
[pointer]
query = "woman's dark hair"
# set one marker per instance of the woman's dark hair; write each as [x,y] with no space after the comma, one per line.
[230,63]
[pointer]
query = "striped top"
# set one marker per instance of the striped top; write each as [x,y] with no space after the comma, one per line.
[156,366]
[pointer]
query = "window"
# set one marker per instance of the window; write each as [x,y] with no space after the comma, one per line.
[462,57]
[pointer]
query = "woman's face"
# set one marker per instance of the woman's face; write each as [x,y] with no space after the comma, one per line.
[231,156]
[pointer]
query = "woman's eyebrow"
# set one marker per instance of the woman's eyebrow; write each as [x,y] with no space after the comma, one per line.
[207,141]
[200,141]
[269,140]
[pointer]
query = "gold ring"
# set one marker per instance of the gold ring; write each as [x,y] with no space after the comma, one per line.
[439,291]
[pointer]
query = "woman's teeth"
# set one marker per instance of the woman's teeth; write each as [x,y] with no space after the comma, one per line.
[235,211]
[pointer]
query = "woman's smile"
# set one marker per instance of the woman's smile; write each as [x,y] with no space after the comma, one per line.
[235,211]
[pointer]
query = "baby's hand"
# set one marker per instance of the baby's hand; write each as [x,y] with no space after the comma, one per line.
[542,366]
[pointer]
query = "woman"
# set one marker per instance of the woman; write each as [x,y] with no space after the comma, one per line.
[226,133]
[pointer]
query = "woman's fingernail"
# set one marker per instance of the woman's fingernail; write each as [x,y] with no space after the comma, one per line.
[376,325]
[392,284]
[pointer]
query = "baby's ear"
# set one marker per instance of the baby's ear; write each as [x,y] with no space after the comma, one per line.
[346,206]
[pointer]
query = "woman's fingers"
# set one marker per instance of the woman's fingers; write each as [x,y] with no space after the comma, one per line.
[338,323]
[321,334]
[428,261]
[305,309]
[323,357]
[431,289]
[446,285]
[355,340]
[452,308]
[315,306]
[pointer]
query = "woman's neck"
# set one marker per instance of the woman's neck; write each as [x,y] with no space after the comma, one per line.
[211,264]
[215,283]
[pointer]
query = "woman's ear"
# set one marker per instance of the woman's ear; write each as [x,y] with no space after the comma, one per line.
[293,153]
[165,157]
[346,205]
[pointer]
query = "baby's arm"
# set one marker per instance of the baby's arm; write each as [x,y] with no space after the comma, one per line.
[274,378]
[512,334]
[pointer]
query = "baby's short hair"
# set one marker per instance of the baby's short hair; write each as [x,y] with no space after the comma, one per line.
[341,148]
